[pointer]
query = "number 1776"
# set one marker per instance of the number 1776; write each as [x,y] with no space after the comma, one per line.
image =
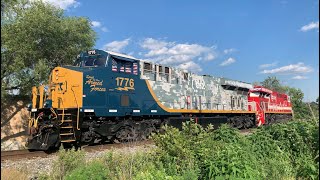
[125,82]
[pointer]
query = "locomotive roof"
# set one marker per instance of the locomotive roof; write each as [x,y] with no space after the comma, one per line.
[228,81]
[122,55]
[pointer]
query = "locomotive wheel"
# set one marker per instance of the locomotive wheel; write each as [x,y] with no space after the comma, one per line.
[87,138]
[273,119]
[126,134]
[146,134]
[247,123]
[236,122]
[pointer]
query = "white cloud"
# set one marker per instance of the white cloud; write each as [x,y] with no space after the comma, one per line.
[95,23]
[300,77]
[289,69]
[228,51]
[262,66]
[150,43]
[104,29]
[228,62]
[190,66]
[63,4]
[209,56]
[116,46]
[310,26]
[171,53]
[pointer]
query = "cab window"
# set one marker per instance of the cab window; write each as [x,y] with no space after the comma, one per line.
[89,62]
[128,67]
[147,67]
[124,66]
[185,76]
[135,68]
[97,62]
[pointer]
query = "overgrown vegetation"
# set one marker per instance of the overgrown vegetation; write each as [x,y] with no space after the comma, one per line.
[279,151]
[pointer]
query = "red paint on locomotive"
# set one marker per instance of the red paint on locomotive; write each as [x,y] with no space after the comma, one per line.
[268,101]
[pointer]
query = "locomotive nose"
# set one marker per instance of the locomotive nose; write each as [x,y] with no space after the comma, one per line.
[66,88]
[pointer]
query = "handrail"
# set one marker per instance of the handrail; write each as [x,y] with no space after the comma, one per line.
[78,113]
[259,106]
[51,109]
[62,120]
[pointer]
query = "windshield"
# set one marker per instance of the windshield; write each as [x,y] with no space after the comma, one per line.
[95,61]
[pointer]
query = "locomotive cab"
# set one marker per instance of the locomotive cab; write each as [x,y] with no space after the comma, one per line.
[62,111]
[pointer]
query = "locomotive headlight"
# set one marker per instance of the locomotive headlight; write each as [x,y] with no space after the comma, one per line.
[29,107]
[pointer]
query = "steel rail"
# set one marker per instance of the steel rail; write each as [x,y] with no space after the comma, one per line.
[26,154]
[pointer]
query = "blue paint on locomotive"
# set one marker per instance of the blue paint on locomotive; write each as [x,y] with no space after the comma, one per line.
[111,93]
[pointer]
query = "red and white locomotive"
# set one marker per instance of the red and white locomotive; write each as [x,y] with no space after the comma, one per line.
[270,105]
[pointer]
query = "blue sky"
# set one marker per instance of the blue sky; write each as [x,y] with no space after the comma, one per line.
[242,40]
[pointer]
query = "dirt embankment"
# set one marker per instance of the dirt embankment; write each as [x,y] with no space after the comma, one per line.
[14,124]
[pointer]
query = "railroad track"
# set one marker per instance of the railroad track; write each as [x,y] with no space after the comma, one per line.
[247,131]
[20,154]
[26,154]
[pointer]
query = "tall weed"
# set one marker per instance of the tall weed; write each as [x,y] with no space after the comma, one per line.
[67,161]
[279,151]
[94,171]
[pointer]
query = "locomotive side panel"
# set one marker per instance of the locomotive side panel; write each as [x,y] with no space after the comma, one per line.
[179,90]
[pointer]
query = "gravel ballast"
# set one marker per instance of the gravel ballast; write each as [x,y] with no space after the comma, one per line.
[36,166]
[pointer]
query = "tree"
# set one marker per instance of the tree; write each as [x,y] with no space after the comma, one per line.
[37,38]
[300,108]
[256,83]
[273,83]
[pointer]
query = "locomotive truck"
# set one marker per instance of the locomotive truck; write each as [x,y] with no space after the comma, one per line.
[107,96]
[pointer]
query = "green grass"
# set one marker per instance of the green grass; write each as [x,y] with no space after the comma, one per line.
[280,151]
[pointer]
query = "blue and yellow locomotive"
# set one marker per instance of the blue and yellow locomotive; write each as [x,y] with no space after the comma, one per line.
[107,96]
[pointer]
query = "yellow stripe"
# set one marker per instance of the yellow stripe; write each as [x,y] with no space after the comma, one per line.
[272,112]
[189,110]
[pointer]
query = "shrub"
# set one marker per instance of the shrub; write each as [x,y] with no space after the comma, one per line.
[124,166]
[279,151]
[274,162]
[177,150]
[298,141]
[67,161]
[94,171]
